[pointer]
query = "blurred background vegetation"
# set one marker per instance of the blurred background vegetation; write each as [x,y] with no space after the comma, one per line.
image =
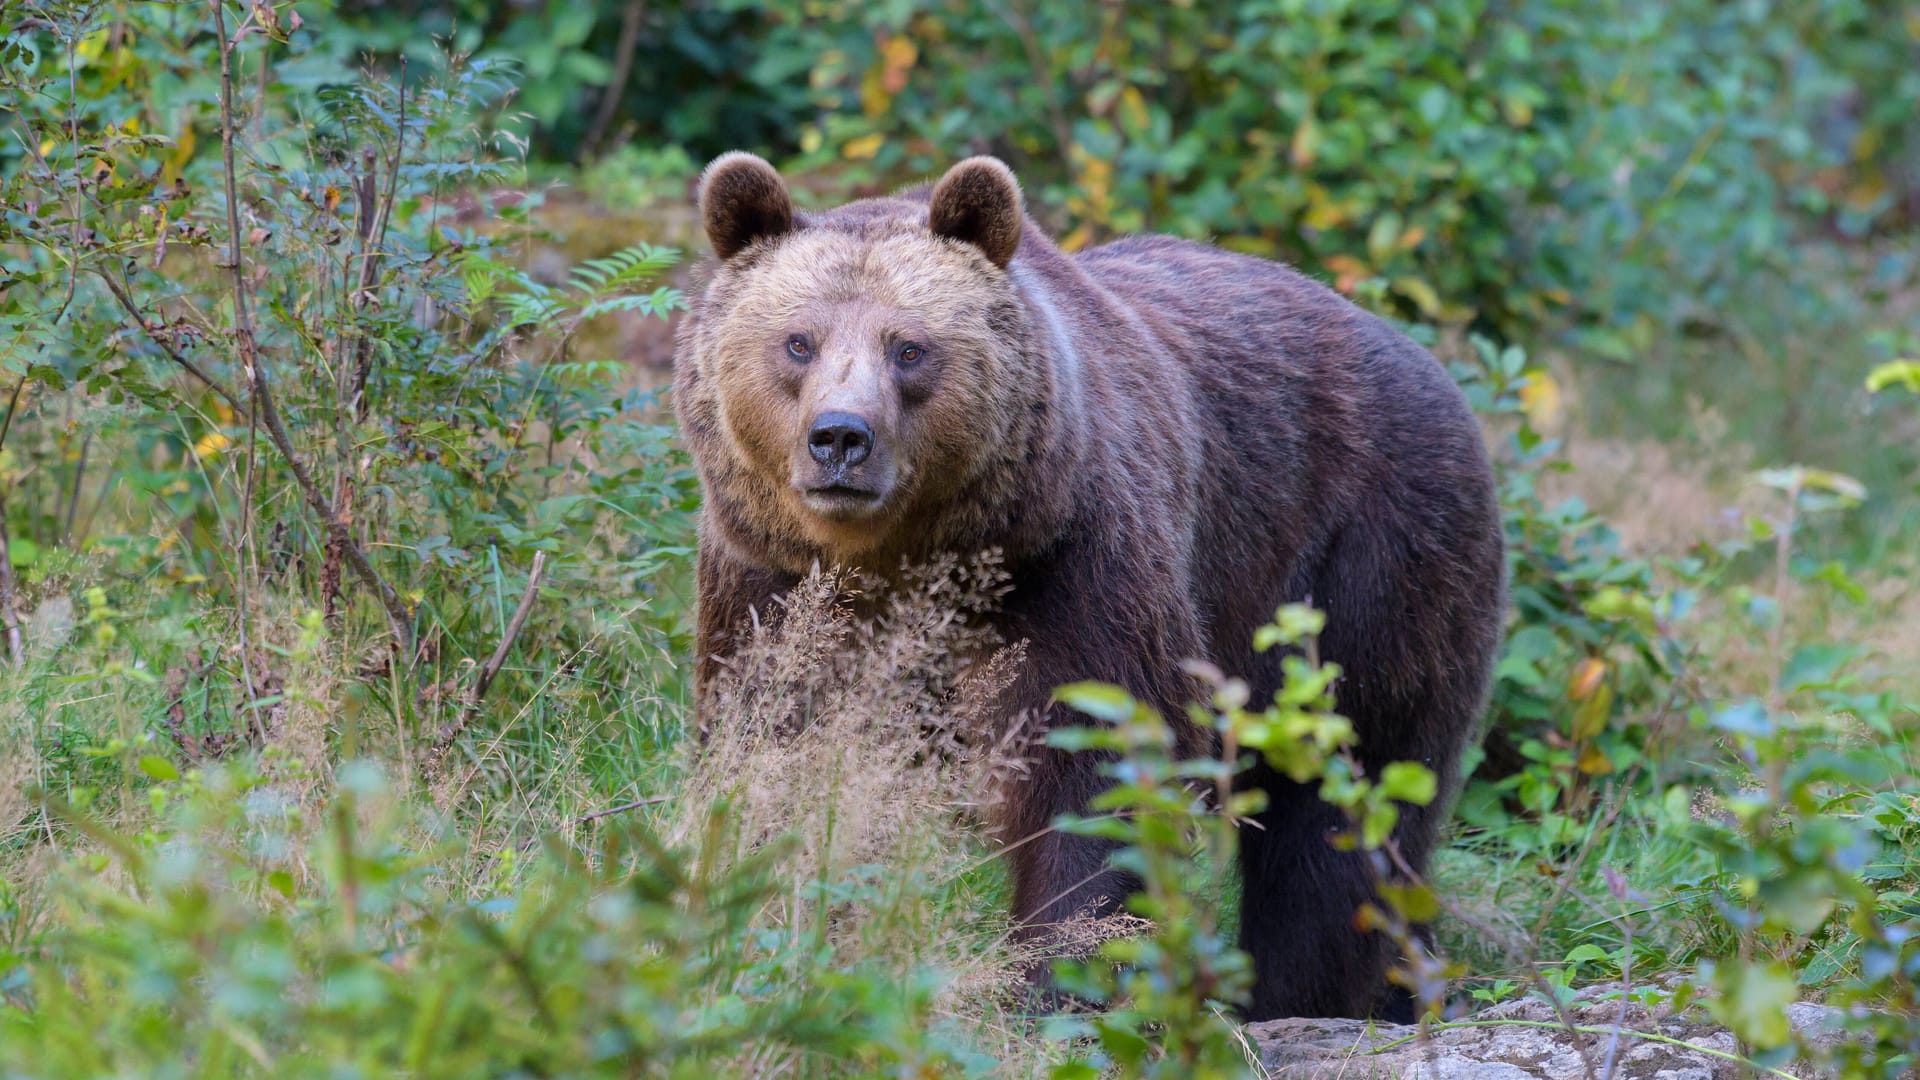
[360,688]
[1631,187]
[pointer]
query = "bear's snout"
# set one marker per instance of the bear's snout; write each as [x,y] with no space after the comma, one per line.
[846,472]
[839,439]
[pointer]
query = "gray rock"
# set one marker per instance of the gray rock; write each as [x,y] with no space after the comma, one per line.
[1513,1041]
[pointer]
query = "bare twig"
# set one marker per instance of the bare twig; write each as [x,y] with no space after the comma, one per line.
[1016,13]
[527,844]
[622,808]
[373,239]
[73,496]
[483,682]
[243,334]
[16,648]
[133,311]
[13,403]
[1524,956]
[491,668]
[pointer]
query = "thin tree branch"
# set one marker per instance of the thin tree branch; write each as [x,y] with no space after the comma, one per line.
[617,81]
[120,293]
[399,619]
[373,240]
[488,671]
[16,648]
[596,815]
[73,496]
[491,668]
[622,808]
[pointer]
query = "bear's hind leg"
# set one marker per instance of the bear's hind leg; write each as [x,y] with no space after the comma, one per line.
[1298,902]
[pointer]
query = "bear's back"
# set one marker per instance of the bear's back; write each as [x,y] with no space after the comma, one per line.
[1313,414]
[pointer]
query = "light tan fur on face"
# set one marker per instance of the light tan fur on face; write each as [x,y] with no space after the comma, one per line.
[855,293]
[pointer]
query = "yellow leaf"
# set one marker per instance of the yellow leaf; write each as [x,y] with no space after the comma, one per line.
[1585,678]
[210,445]
[182,153]
[1540,399]
[1593,762]
[897,55]
[1591,718]
[810,138]
[1133,107]
[863,147]
[1305,145]
[1904,372]
[1322,211]
[1418,291]
[92,46]
[1412,237]
[874,98]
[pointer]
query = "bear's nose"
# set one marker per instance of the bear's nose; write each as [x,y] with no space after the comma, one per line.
[840,438]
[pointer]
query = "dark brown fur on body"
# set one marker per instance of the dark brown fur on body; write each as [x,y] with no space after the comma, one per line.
[1166,441]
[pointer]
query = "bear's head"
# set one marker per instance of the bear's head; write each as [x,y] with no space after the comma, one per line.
[859,384]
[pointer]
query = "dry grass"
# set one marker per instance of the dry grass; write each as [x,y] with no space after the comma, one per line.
[882,696]
[861,722]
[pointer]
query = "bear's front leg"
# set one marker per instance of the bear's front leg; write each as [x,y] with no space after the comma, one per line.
[1059,877]
[1080,630]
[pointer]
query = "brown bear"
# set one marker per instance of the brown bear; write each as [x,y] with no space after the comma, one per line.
[1165,441]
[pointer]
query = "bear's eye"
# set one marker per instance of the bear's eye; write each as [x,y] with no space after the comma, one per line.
[800,348]
[909,355]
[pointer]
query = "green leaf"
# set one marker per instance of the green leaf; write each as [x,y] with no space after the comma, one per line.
[1378,825]
[1102,701]
[1753,1002]
[1903,373]
[1800,901]
[1409,781]
[1589,954]
[1744,718]
[1816,666]
[159,768]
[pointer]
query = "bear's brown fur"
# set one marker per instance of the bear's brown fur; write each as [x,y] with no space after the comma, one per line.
[1165,441]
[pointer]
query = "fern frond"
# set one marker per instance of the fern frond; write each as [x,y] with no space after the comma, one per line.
[622,270]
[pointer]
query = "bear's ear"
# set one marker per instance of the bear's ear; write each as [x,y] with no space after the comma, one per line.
[742,199]
[978,202]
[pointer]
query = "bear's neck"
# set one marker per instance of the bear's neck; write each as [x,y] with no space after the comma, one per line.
[1043,467]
